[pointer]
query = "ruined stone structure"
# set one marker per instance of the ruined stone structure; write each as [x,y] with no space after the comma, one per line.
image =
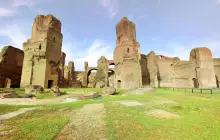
[103,75]
[11,61]
[199,72]
[134,70]
[61,70]
[42,53]
[71,76]
[43,63]
[127,56]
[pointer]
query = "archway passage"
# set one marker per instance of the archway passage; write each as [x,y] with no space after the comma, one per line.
[111,77]
[90,77]
[195,83]
[217,82]
[111,64]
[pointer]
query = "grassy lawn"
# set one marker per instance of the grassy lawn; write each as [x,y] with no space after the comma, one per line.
[199,117]
[9,108]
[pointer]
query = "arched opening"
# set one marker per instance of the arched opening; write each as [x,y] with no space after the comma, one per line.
[111,74]
[111,77]
[127,50]
[91,78]
[195,83]
[54,39]
[111,65]
[217,82]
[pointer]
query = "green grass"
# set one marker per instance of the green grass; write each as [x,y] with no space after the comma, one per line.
[43,124]
[10,108]
[199,117]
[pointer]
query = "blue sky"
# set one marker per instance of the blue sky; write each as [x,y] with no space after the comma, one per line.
[169,27]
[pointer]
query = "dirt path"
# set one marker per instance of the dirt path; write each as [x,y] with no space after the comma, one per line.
[86,124]
[25,101]
[15,113]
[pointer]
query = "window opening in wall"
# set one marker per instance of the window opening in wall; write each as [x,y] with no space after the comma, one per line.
[127,50]
[40,47]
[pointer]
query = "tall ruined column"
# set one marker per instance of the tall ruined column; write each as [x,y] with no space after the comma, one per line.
[42,53]
[85,76]
[71,70]
[204,67]
[102,72]
[61,69]
[127,56]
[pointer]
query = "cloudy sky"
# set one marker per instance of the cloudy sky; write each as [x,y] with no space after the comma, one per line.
[169,27]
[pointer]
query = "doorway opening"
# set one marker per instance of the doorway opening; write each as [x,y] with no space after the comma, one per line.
[195,83]
[217,82]
[50,83]
[7,83]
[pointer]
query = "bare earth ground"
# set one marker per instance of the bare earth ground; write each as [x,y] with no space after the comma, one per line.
[130,103]
[23,101]
[86,124]
[162,114]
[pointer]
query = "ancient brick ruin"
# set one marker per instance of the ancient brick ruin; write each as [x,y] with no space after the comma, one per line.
[42,62]
[127,56]
[11,61]
[42,53]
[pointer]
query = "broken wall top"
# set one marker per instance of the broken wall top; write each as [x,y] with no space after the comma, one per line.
[201,54]
[42,27]
[125,30]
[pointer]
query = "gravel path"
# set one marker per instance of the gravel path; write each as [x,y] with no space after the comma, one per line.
[86,124]
[14,114]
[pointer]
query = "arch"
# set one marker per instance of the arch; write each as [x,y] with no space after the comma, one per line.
[88,74]
[54,39]
[127,50]
[53,64]
[111,64]
[111,71]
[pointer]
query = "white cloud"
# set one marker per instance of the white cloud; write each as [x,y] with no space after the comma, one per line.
[11,6]
[6,12]
[14,33]
[97,49]
[111,6]
[19,3]
[183,51]
[217,1]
